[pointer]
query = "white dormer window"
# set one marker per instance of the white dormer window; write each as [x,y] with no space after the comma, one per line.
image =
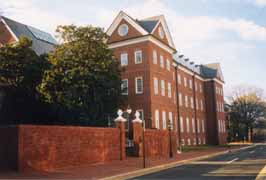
[168,65]
[123,30]
[124,59]
[161,61]
[161,32]
[138,57]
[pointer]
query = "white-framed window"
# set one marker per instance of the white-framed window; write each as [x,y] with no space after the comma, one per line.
[197,104]
[188,142]
[170,115]
[157,119]
[124,59]
[124,87]
[198,125]
[162,88]
[141,112]
[180,100]
[138,57]
[185,81]
[186,101]
[169,87]
[193,125]
[161,62]
[181,124]
[139,85]
[200,86]
[192,102]
[187,125]
[190,84]
[164,119]
[156,86]
[168,65]
[154,55]
[203,126]
[179,79]
[201,104]
[196,86]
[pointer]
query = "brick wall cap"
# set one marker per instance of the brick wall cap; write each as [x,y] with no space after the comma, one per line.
[120,119]
[137,121]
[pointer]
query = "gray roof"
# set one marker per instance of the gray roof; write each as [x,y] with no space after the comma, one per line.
[211,70]
[42,42]
[148,25]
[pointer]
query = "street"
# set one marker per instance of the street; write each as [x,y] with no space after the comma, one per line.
[243,164]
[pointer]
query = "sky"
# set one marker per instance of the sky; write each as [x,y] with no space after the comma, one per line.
[231,32]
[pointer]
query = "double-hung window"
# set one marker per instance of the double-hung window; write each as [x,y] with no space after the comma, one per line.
[169,90]
[161,61]
[124,59]
[157,119]
[187,125]
[138,57]
[164,119]
[156,88]
[124,87]
[154,55]
[139,85]
[168,65]
[162,88]
[181,124]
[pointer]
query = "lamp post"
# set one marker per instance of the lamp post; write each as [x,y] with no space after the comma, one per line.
[170,126]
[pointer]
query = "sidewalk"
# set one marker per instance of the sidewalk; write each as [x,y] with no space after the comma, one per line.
[98,171]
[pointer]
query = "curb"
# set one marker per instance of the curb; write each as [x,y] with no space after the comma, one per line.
[158,168]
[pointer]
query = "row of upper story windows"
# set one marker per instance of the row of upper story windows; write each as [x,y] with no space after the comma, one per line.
[187,82]
[165,120]
[189,102]
[163,85]
[200,125]
[221,126]
[220,106]
[188,141]
[138,86]
[219,90]
[162,62]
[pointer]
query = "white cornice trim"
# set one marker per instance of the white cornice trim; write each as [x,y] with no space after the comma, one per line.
[139,40]
[124,16]
[199,77]
[216,80]
[8,28]
[185,70]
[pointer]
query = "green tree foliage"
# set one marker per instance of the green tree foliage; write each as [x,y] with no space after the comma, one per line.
[21,71]
[84,77]
[246,109]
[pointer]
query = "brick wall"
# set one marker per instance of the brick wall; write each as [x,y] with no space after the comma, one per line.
[157,143]
[47,148]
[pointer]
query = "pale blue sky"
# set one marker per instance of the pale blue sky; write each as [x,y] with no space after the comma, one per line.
[232,32]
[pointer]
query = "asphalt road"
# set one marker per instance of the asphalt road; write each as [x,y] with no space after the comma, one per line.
[240,165]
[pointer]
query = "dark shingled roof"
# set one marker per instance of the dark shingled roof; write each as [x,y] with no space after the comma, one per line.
[39,45]
[148,25]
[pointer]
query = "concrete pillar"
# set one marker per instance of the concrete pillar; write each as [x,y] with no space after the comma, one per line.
[121,124]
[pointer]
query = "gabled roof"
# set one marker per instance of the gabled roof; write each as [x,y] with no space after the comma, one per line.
[42,42]
[212,71]
[144,26]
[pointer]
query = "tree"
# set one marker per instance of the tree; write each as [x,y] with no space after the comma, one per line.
[84,77]
[246,108]
[21,71]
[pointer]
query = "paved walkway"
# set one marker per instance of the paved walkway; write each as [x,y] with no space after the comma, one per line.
[97,171]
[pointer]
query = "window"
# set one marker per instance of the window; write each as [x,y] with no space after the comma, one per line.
[156,88]
[124,59]
[188,142]
[164,120]
[141,112]
[203,126]
[198,125]
[124,87]
[197,104]
[138,57]
[185,81]
[193,125]
[179,79]
[201,104]
[181,124]
[168,65]
[162,88]
[180,100]
[219,126]
[190,84]
[154,54]
[123,30]
[161,61]
[194,141]
[170,115]
[196,86]
[139,85]
[188,125]
[169,90]
[200,87]
[186,101]
[157,119]
[199,139]
[192,102]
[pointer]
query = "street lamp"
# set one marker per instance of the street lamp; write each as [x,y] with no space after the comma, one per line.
[170,126]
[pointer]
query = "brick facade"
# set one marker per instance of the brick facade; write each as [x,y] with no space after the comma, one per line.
[197,121]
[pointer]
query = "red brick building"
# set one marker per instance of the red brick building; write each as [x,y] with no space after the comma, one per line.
[164,86]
